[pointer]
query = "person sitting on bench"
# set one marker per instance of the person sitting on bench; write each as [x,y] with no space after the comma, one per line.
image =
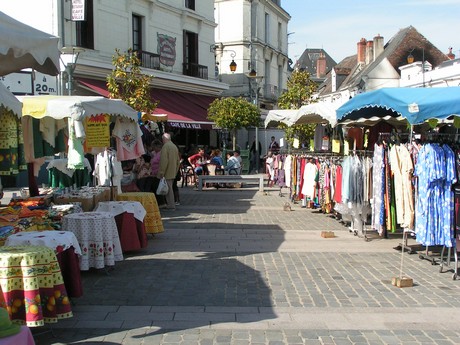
[233,164]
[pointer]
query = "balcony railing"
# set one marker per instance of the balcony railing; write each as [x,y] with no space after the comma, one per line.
[149,60]
[195,70]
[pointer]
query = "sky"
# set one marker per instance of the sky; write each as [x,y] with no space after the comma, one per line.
[338,25]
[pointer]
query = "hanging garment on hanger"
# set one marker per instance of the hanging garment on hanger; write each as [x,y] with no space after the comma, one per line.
[402,168]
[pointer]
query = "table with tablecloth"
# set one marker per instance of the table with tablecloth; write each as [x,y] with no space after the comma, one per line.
[129,216]
[152,220]
[97,235]
[33,286]
[66,248]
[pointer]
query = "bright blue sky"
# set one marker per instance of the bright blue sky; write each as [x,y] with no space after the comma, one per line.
[338,25]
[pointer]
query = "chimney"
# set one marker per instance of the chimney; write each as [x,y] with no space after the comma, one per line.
[378,46]
[369,52]
[450,55]
[321,66]
[362,51]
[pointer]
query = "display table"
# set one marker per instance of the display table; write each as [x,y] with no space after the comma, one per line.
[66,248]
[32,285]
[97,235]
[129,216]
[152,220]
[24,337]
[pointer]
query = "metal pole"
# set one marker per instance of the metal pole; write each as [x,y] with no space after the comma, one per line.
[257,153]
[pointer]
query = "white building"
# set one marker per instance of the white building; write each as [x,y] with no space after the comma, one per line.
[173,38]
[252,33]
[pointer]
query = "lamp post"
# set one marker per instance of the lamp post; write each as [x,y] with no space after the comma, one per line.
[70,66]
[253,76]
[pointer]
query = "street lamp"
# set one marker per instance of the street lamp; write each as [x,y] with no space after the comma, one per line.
[252,75]
[70,66]
[220,47]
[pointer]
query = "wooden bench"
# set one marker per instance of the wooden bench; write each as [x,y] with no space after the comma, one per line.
[231,179]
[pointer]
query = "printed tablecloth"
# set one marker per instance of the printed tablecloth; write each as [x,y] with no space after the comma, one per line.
[152,220]
[97,235]
[32,285]
[67,249]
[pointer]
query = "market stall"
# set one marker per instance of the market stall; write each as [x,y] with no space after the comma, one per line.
[22,46]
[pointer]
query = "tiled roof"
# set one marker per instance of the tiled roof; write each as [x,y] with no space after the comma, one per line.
[308,60]
[396,50]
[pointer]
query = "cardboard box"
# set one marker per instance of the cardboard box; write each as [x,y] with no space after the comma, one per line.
[87,204]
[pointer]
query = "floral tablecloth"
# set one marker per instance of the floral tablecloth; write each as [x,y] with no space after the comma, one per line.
[152,220]
[67,249]
[32,285]
[97,235]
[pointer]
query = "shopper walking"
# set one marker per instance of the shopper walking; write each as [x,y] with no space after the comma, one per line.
[169,165]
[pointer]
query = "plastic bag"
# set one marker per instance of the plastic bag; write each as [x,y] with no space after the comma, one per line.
[162,187]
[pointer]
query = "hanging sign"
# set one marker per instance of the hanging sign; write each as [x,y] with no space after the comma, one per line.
[97,130]
[78,10]
[167,49]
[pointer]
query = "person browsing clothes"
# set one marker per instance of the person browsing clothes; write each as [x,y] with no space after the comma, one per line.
[274,147]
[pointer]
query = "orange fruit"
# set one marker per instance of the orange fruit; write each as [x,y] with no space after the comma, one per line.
[57,294]
[17,303]
[33,309]
[52,301]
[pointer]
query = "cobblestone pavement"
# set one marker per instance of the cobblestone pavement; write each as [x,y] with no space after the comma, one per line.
[232,267]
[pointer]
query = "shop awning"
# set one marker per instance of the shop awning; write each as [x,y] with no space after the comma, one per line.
[184,110]
[416,105]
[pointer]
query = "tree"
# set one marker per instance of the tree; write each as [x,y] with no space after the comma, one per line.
[127,82]
[233,113]
[300,89]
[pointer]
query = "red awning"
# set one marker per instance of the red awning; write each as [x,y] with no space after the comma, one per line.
[185,110]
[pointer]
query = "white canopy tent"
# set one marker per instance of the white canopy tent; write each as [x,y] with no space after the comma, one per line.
[22,46]
[307,114]
[9,101]
[75,107]
[279,115]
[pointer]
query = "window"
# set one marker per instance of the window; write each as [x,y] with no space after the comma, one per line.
[190,4]
[85,29]
[137,33]
[190,53]
[280,36]
[267,28]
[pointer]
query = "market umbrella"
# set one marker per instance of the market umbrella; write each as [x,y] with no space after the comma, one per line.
[9,101]
[22,46]
[416,105]
[74,107]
